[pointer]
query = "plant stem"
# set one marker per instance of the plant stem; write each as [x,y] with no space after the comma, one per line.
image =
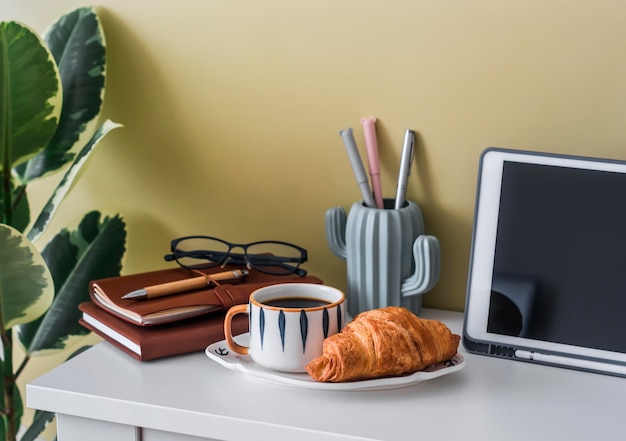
[7,335]
[23,364]
[7,216]
[8,383]
[5,142]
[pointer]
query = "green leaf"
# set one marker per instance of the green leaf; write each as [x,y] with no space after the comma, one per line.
[77,42]
[30,95]
[41,419]
[26,286]
[20,209]
[18,402]
[66,183]
[78,351]
[93,251]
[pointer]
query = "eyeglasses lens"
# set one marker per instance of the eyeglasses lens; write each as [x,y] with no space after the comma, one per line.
[201,252]
[274,258]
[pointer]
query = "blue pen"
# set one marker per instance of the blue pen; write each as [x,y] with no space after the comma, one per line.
[405,167]
[357,167]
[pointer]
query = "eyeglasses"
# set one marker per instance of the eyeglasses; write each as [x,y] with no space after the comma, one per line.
[270,256]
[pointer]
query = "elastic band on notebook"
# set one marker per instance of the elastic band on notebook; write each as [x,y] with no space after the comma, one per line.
[232,300]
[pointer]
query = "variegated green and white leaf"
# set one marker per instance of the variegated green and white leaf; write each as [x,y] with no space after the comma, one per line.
[30,95]
[67,182]
[26,285]
[77,43]
[93,251]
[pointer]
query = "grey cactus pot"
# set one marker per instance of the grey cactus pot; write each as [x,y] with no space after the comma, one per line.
[390,261]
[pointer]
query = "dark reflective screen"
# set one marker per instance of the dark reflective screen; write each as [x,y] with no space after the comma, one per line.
[560,259]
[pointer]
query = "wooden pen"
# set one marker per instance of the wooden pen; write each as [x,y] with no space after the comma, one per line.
[178,286]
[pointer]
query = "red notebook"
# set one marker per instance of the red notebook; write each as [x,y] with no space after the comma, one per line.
[152,342]
[107,293]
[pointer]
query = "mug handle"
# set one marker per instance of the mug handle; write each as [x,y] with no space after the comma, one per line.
[228,333]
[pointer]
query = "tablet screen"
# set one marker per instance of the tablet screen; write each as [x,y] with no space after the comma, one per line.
[561,242]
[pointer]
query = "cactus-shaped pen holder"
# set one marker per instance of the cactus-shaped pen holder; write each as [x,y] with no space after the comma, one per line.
[390,262]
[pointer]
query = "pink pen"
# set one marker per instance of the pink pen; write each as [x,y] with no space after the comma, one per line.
[371,143]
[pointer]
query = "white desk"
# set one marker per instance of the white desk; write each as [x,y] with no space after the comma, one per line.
[104,393]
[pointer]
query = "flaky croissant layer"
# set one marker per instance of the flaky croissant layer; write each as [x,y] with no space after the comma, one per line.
[383,342]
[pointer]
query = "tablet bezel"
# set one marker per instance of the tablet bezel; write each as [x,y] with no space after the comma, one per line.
[483,247]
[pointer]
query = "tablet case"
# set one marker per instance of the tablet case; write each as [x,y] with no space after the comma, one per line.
[518,296]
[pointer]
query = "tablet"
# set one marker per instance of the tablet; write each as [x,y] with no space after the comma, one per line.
[547,272]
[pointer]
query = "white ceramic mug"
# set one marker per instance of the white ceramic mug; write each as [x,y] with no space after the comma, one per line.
[288,324]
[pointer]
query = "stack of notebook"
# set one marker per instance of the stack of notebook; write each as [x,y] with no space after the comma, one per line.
[175,324]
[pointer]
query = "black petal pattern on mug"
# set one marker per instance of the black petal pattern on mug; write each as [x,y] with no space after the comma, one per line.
[339,318]
[281,327]
[304,329]
[261,325]
[325,322]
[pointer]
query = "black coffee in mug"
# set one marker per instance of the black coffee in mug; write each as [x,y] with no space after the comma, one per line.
[289,334]
[296,302]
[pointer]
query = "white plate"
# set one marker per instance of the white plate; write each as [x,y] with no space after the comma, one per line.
[220,353]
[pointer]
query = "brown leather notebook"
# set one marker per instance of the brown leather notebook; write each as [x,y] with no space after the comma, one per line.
[107,293]
[152,342]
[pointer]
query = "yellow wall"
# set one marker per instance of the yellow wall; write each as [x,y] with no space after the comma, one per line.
[232,111]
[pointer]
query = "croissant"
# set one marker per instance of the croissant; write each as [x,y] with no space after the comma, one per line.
[383,342]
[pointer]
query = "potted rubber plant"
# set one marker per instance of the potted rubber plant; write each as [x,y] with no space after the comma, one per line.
[51,94]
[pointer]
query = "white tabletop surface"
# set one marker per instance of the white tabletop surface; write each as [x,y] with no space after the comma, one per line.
[490,399]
